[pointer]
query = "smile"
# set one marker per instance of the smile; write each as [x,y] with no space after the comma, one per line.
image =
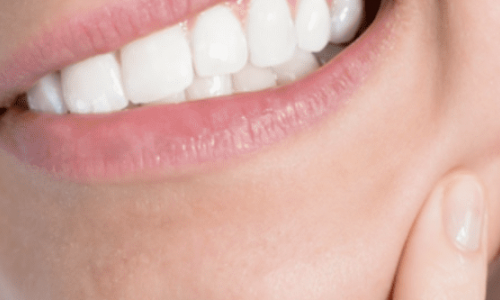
[186,87]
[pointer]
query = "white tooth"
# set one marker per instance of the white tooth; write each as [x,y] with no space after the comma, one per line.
[157,66]
[174,98]
[302,64]
[208,87]
[253,79]
[346,19]
[46,95]
[219,43]
[94,85]
[270,32]
[312,23]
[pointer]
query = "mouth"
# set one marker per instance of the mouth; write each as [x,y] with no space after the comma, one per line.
[191,86]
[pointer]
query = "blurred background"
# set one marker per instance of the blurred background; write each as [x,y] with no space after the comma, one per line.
[494,281]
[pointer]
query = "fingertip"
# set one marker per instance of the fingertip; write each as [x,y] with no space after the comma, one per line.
[445,256]
[464,212]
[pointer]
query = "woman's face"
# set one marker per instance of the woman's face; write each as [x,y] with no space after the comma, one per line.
[320,212]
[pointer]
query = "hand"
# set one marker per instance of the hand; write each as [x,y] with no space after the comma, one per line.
[445,255]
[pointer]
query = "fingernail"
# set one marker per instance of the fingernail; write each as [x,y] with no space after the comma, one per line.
[464,212]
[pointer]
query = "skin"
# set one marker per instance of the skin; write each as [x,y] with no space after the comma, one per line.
[274,225]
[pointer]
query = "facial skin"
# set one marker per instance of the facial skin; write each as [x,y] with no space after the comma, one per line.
[323,214]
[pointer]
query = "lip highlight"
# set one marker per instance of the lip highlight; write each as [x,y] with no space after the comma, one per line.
[156,141]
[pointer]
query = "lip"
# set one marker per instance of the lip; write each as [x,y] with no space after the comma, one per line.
[165,140]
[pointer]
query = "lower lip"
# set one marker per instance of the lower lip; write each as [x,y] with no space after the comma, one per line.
[164,140]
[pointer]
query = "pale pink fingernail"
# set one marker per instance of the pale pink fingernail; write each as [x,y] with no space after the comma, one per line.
[464,212]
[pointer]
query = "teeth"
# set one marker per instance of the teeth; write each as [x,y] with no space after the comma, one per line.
[254,79]
[270,32]
[208,87]
[174,98]
[301,64]
[94,85]
[270,50]
[328,53]
[157,66]
[219,44]
[47,95]
[346,19]
[312,24]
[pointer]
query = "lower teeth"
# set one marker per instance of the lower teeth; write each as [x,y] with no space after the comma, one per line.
[327,54]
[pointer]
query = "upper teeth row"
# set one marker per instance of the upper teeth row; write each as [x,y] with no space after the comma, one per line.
[217,57]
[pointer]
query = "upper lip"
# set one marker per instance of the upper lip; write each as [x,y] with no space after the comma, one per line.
[73,38]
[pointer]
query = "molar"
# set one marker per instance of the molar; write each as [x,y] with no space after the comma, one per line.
[328,53]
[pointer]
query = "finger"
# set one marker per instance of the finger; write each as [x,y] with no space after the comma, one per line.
[445,256]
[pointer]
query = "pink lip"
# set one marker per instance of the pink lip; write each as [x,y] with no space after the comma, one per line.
[155,141]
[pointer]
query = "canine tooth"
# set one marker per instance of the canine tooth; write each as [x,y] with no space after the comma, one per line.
[302,64]
[208,87]
[325,55]
[219,43]
[270,32]
[346,19]
[46,95]
[94,85]
[252,78]
[312,23]
[157,66]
